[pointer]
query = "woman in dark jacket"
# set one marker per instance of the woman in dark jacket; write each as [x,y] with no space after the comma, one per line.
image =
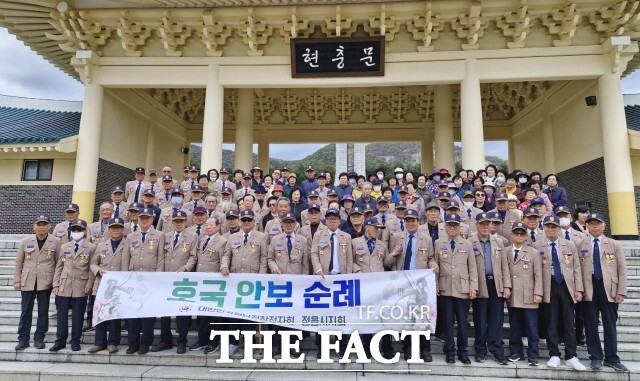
[297,205]
[557,194]
[579,222]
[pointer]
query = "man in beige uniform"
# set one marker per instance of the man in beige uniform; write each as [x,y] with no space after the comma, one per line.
[191,181]
[210,250]
[177,200]
[108,257]
[144,251]
[163,196]
[98,231]
[246,252]
[72,282]
[133,189]
[180,255]
[33,277]
[62,231]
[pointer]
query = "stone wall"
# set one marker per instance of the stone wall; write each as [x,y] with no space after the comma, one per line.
[21,203]
[109,175]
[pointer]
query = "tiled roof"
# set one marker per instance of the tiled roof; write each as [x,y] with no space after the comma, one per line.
[24,125]
[632,113]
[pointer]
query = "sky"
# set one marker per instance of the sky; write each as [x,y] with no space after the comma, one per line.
[23,73]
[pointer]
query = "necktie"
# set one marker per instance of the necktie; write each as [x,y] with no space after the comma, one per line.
[597,266]
[533,236]
[135,228]
[384,219]
[144,236]
[166,196]
[153,188]
[515,256]
[567,236]
[407,255]
[192,184]
[402,225]
[246,191]
[198,230]
[210,213]
[453,246]
[557,272]
[246,238]
[195,204]
[469,213]
[175,240]
[77,247]
[539,225]
[372,245]
[206,243]
[69,232]
[138,192]
[116,213]
[224,184]
[289,245]
[333,247]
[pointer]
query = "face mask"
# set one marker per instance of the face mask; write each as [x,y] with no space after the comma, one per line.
[500,179]
[377,188]
[352,182]
[176,200]
[565,221]
[522,180]
[76,236]
[399,176]
[468,204]
[380,176]
[488,191]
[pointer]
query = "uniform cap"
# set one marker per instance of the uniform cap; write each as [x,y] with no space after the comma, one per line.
[177,191]
[149,192]
[117,189]
[167,178]
[356,210]
[193,168]
[519,226]
[310,168]
[562,209]
[117,221]
[401,204]
[332,212]
[467,193]
[531,212]
[596,217]
[537,201]
[135,206]
[140,170]
[502,196]
[179,215]
[403,189]
[42,218]
[288,217]
[551,220]
[313,193]
[224,170]
[322,175]
[247,175]
[197,188]
[332,192]
[153,172]
[410,213]
[495,217]
[383,199]
[453,204]
[444,195]
[481,217]
[232,214]
[226,190]
[314,207]
[373,221]
[247,215]
[199,210]
[451,218]
[72,208]
[80,224]
[145,212]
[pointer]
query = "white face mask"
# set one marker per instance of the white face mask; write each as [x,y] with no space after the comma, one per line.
[77,235]
[380,176]
[436,177]
[565,221]
[500,179]
[377,188]
[399,176]
[352,182]
[522,180]
[468,204]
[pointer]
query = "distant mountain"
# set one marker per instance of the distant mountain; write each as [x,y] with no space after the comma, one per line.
[383,155]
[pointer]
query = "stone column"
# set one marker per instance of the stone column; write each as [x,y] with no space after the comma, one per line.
[263,152]
[359,161]
[213,123]
[426,151]
[244,130]
[471,128]
[617,160]
[512,155]
[443,128]
[87,157]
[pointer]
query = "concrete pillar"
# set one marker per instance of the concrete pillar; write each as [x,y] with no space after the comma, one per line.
[244,130]
[341,160]
[617,160]
[426,149]
[213,123]
[263,152]
[359,158]
[443,128]
[512,155]
[471,129]
[151,143]
[547,132]
[87,157]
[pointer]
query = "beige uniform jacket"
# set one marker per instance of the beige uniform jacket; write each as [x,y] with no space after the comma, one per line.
[499,263]
[72,274]
[144,256]
[526,277]
[612,262]
[130,191]
[106,259]
[165,224]
[569,263]
[61,231]
[458,270]
[95,233]
[368,262]
[34,268]
[321,252]
[250,258]
[209,257]
[296,262]
[425,255]
[183,255]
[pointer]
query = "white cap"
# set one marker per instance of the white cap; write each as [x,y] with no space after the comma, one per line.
[398,170]
[512,197]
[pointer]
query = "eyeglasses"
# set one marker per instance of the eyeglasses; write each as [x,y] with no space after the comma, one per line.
[479,195]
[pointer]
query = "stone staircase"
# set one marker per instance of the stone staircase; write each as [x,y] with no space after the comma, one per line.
[35,364]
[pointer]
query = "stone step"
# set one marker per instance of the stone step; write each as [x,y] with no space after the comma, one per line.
[310,370]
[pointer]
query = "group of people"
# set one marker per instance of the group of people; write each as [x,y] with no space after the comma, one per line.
[557,272]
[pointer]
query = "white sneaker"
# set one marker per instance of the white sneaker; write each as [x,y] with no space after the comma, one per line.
[233,349]
[525,342]
[575,363]
[553,362]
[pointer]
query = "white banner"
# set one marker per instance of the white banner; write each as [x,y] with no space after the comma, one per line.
[367,302]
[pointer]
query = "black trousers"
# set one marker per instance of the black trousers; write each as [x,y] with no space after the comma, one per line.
[488,319]
[560,314]
[579,320]
[110,328]
[90,301]
[28,299]
[600,305]
[524,322]
[138,326]
[425,345]
[77,306]
[183,324]
[208,323]
[455,309]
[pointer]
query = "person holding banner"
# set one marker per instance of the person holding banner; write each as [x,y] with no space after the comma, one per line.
[288,254]
[143,251]
[73,282]
[413,249]
[494,282]
[180,255]
[108,257]
[331,254]
[457,283]
[371,254]
[245,252]
[210,251]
